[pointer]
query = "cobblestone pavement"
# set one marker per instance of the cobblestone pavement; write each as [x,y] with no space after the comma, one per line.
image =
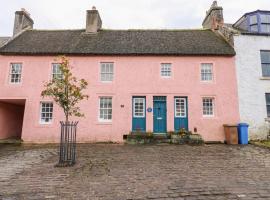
[109,171]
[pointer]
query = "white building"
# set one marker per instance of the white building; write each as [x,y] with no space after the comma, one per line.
[252,48]
[250,36]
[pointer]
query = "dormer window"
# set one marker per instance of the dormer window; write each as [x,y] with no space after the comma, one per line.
[255,22]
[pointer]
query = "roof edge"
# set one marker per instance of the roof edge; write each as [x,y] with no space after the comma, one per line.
[127,54]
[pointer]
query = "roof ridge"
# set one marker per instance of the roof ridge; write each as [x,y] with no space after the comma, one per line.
[55,30]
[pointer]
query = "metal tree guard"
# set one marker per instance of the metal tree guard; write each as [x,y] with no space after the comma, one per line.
[67,154]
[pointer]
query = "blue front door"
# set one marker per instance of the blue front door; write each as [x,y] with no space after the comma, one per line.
[180,113]
[138,114]
[160,115]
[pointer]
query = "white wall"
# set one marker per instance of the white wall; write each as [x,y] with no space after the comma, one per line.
[251,87]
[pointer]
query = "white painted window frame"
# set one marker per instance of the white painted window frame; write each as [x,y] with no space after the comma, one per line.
[11,73]
[111,72]
[166,70]
[134,110]
[40,113]
[213,106]
[99,109]
[204,74]
[58,74]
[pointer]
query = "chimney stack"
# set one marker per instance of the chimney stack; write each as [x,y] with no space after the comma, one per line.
[93,21]
[22,21]
[214,17]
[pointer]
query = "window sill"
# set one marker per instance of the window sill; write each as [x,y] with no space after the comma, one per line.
[264,78]
[165,77]
[209,117]
[15,84]
[207,82]
[45,125]
[104,123]
[267,119]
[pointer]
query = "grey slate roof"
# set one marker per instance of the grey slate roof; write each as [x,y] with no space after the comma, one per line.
[3,40]
[118,42]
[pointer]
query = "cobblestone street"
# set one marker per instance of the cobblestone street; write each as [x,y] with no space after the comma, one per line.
[109,171]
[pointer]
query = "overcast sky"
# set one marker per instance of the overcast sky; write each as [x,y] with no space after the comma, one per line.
[122,14]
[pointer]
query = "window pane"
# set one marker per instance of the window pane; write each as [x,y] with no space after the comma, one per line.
[180,107]
[103,68]
[265,18]
[267,98]
[105,108]
[165,70]
[15,72]
[265,28]
[208,107]
[268,110]
[139,107]
[266,70]
[253,19]
[265,56]
[46,112]
[106,72]
[56,72]
[207,72]
[254,28]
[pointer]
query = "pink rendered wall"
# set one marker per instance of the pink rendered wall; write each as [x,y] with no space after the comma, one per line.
[133,76]
[11,120]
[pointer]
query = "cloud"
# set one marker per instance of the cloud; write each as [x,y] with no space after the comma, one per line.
[123,14]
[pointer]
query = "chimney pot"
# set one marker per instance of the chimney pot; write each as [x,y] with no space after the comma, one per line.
[26,12]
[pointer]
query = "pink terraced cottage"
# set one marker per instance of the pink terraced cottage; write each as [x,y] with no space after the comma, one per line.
[140,80]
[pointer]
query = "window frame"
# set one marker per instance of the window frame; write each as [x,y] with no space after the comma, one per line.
[59,73]
[265,63]
[264,23]
[134,108]
[267,104]
[41,112]
[185,107]
[10,73]
[167,69]
[252,24]
[212,72]
[99,109]
[213,107]
[106,73]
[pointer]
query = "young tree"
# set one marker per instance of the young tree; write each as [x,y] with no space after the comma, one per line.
[66,90]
